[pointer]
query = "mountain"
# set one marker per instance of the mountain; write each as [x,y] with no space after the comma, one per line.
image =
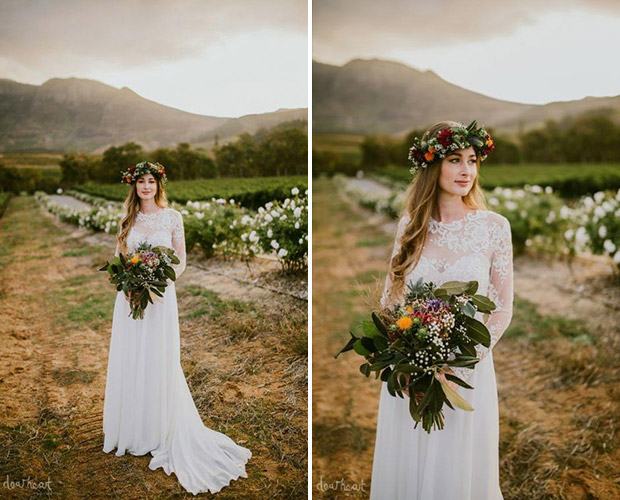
[67,114]
[378,96]
[253,123]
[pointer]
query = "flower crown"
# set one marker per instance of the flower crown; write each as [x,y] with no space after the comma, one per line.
[447,140]
[145,167]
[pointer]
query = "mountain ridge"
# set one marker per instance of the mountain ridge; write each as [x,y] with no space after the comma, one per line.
[65,114]
[365,96]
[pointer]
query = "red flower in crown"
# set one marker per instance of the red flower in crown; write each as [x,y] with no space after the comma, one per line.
[132,169]
[445,137]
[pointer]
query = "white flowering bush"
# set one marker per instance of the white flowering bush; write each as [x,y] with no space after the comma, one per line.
[534,215]
[64,213]
[595,225]
[99,218]
[217,227]
[390,204]
[540,220]
[282,228]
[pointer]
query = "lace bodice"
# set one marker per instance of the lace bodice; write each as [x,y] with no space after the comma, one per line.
[163,228]
[476,247]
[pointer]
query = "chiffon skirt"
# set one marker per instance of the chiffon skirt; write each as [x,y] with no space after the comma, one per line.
[460,462]
[149,408]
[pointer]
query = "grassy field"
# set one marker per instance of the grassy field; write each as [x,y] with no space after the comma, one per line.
[338,143]
[31,160]
[561,177]
[245,359]
[251,192]
[557,367]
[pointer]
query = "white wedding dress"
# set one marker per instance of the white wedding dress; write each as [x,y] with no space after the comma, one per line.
[461,461]
[148,406]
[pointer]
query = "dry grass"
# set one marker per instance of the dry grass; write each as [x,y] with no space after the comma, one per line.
[558,367]
[244,363]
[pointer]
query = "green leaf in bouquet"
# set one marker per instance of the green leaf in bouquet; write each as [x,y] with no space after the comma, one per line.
[365,369]
[454,397]
[104,267]
[463,361]
[454,287]
[386,373]
[360,349]
[380,342]
[121,260]
[458,381]
[144,299]
[468,309]
[368,344]
[348,346]
[369,328]
[407,368]
[477,331]
[390,384]
[472,288]
[484,304]
[169,272]
[401,384]
[442,294]
[157,292]
[468,349]
[379,324]
[379,365]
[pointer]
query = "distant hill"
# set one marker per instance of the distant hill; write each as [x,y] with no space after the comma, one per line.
[67,114]
[377,96]
[253,123]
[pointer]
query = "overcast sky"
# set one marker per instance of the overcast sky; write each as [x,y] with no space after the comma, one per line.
[529,51]
[210,57]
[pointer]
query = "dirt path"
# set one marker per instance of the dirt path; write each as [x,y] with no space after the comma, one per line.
[69,201]
[243,351]
[559,411]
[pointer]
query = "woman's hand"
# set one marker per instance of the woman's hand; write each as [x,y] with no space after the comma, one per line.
[128,297]
[441,375]
[418,394]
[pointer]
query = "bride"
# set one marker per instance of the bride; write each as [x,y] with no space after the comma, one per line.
[447,234]
[148,406]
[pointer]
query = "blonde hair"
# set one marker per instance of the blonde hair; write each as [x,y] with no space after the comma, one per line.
[422,204]
[132,205]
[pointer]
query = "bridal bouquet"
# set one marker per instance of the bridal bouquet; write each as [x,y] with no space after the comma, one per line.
[142,275]
[410,345]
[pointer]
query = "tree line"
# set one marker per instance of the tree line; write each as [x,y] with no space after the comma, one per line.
[593,137]
[279,151]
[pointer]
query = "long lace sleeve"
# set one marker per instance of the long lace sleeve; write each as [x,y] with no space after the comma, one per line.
[501,290]
[178,243]
[402,224]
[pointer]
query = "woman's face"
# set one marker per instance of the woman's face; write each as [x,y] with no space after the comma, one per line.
[458,171]
[146,186]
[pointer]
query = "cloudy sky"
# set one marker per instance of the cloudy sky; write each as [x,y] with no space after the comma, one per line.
[529,51]
[204,56]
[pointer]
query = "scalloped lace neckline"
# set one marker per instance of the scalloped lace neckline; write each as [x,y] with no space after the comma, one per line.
[469,216]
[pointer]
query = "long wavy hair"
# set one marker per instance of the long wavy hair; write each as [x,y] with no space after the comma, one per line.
[132,205]
[422,204]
